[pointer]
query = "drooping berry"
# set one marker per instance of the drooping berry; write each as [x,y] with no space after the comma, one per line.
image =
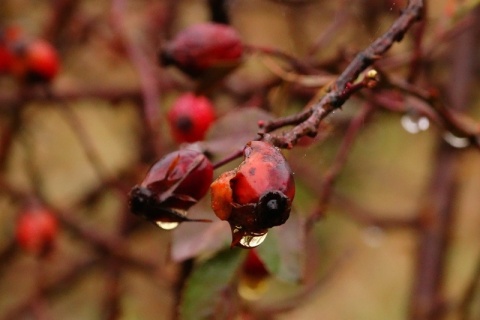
[203,46]
[254,276]
[36,230]
[190,117]
[172,185]
[35,61]
[255,196]
[254,266]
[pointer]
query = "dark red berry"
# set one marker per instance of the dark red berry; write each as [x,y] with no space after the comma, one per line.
[8,37]
[190,117]
[36,230]
[255,196]
[204,46]
[254,266]
[6,59]
[172,186]
[35,61]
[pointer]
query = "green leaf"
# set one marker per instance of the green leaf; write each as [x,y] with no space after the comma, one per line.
[205,292]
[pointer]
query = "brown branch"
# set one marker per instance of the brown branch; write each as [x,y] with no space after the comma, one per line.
[340,160]
[437,216]
[335,98]
[148,79]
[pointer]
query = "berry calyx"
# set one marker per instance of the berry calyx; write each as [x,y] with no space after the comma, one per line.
[36,230]
[203,46]
[172,185]
[190,117]
[255,196]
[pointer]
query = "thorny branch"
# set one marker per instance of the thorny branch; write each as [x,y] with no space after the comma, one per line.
[307,122]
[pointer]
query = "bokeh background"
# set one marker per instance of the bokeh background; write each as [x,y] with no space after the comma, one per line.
[89,144]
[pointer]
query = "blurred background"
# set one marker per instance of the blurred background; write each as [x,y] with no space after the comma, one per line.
[391,180]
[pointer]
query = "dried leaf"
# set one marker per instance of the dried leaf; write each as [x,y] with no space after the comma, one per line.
[231,132]
[193,239]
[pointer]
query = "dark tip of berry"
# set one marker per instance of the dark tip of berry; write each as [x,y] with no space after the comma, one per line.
[139,198]
[184,124]
[165,58]
[273,209]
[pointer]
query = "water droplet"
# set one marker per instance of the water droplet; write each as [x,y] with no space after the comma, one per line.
[252,240]
[456,142]
[414,123]
[167,225]
[373,236]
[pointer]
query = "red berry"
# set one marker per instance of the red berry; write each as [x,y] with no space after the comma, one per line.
[253,266]
[35,61]
[6,59]
[172,186]
[255,196]
[36,230]
[8,37]
[190,117]
[203,46]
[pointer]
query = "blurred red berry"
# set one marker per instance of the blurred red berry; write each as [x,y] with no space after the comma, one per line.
[255,196]
[204,46]
[172,186]
[36,230]
[254,266]
[8,37]
[190,117]
[35,61]
[6,59]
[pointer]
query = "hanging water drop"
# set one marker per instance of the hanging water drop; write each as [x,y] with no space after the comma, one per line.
[252,240]
[167,225]
[456,142]
[414,123]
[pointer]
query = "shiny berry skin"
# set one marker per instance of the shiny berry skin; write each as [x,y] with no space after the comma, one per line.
[36,230]
[203,46]
[35,61]
[257,195]
[172,186]
[190,117]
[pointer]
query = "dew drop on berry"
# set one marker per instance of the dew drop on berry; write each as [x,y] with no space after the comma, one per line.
[167,225]
[252,240]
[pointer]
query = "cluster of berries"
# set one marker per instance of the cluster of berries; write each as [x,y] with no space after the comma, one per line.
[28,60]
[205,52]
[255,196]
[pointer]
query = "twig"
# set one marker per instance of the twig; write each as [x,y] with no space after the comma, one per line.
[148,81]
[339,162]
[336,97]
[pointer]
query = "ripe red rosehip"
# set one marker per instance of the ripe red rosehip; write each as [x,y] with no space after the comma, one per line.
[36,230]
[172,186]
[8,37]
[204,46]
[6,59]
[190,117]
[255,196]
[35,61]
[253,266]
